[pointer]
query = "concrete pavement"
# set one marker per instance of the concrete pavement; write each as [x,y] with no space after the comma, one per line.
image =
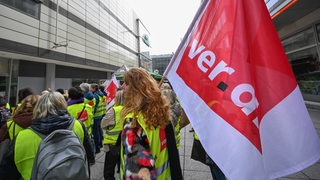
[194,170]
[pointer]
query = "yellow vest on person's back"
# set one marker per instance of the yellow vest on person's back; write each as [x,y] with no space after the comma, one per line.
[112,135]
[12,126]
[104,104]
[91,102]
[26,147]
[86,117]
[100,107]
[158,144]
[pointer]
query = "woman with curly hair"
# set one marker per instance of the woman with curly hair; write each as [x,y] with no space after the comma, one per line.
[148,149]
[22,118]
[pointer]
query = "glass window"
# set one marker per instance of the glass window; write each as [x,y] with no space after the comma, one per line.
[306,67]
[302,53]
[30,7]
[318,32]
[299,40]
[305,61]
[8,71]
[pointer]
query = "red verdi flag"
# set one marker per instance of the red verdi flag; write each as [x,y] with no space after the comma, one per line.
[111,90]
[234,81]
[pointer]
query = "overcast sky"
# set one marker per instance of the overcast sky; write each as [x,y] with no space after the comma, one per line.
[166,20]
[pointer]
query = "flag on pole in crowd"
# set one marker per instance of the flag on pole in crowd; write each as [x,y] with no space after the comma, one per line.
[112,86]
[110,90]
[234,81]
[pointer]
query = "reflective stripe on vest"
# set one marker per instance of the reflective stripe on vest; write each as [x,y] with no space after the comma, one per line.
[26,147]
[162,168]
[177,132]
[112,135]
[104,104]
[100,111]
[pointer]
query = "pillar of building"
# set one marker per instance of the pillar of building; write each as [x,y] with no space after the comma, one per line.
[50,76]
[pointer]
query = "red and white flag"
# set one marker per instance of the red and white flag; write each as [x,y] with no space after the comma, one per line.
[234,81]
[111,90]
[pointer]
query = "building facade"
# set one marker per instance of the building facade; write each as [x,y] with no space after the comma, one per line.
[160,62]
[298,27]
[62,43]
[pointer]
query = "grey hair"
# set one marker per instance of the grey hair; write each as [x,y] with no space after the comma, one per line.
[170,95]
[48,104]
[84,87]
[165,86]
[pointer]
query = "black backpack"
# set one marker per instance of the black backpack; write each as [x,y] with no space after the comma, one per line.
[60,155]
[5,115]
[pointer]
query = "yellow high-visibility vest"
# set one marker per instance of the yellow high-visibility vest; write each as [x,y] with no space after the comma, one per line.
[112,135]
[159,149]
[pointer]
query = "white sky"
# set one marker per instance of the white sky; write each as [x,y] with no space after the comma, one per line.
[166,20]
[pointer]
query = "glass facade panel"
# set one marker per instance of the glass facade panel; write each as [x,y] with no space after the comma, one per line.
[302,52]
[4,77]
[318,32]
[8,80]
[30,7]
[299,40]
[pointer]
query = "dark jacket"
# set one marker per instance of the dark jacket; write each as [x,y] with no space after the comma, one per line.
[88,95]
[8,169]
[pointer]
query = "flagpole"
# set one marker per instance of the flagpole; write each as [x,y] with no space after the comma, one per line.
[161,81]
[185,37]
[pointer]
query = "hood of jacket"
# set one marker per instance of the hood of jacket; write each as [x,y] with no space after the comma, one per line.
[88,95]
[99,93]
[24,119]
[52,122]
[75,101]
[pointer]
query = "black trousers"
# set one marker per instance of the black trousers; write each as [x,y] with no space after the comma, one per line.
[112,159]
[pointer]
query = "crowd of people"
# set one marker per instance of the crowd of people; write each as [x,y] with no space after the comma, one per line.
[140,133]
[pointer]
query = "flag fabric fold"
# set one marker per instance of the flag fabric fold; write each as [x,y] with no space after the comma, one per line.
[234,81]
[110,90]
[112,85]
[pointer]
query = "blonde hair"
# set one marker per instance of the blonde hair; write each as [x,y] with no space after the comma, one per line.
[119,98]
[49,104]
[142,95]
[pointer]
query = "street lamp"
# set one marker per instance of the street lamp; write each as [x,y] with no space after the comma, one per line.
[144,38]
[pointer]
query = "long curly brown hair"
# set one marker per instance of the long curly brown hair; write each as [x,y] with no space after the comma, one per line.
[27,105]
[142,95]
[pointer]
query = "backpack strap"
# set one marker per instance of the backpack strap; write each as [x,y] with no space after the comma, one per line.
[82,111]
